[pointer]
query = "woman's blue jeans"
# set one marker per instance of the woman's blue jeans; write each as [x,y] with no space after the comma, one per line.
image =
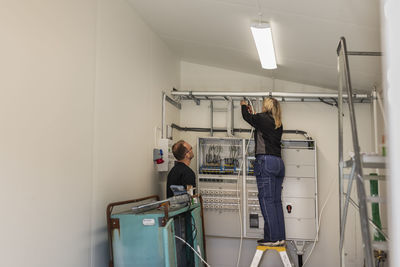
[270,171]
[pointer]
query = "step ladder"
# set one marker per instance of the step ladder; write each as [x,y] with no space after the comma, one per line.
[373,251]
[282,253]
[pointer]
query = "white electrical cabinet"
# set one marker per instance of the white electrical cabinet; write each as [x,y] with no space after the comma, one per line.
[164,146]
[222,176]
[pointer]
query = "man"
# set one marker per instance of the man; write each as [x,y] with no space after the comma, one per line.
[181,174]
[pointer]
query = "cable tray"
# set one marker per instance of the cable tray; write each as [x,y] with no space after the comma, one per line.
[371,161]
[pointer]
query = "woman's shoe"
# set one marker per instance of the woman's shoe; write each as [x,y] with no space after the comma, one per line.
[263,242]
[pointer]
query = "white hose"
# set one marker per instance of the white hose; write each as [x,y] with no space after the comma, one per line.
[319,221]
[238,196]
[198,255]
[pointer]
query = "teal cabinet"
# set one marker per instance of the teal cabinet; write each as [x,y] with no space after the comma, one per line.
[155,237]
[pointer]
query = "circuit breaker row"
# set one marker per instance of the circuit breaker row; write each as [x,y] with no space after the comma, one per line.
[206,192]
[220,199]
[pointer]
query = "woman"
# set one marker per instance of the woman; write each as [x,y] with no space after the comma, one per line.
[268,168]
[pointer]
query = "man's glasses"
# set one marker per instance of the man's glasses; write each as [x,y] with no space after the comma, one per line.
[188,150]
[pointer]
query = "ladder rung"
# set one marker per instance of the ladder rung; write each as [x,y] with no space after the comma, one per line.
[277,248]
[370,161]
[380,245]
[374,177]
[369,177]
[282,253]
[375,199]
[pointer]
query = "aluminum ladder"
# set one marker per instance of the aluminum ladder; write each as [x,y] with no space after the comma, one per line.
[282,253]
[357,163]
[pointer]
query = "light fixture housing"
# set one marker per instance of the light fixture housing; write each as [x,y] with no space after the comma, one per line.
[262,35]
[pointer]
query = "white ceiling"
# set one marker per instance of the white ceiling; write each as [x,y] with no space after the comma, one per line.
[306,34]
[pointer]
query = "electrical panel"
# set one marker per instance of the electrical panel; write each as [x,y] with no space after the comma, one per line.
[219,164]
[222,174]
[165,153]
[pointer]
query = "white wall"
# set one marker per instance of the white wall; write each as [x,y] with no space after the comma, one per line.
[46,113]
[80,101]
[133,67]
[319,120]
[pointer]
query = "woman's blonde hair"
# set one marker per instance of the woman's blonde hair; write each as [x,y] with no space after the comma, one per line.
[272,105]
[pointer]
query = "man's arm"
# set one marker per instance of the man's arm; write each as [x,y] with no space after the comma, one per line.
[189,178]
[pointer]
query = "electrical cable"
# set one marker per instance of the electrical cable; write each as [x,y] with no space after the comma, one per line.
[259,11]
[238,196]
[336,103]
[198,255]
[326,102]
[319,221]
[193,222]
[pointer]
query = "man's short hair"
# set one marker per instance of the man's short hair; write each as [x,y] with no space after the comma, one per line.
[179,150]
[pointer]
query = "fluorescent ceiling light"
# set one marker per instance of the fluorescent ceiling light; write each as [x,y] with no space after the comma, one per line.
[262,35]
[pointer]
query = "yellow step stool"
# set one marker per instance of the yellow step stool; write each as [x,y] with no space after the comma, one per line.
[260,251]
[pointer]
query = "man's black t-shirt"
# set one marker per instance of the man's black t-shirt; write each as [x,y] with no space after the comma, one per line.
[180,174]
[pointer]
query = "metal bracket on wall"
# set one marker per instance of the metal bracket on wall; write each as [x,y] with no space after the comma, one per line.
[173,102]
[196,100]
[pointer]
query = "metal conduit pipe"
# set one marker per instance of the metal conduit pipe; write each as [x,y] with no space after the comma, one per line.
[164,96]
[212,117]
[236,130]
[330,100]
[340,149]
[264,94]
